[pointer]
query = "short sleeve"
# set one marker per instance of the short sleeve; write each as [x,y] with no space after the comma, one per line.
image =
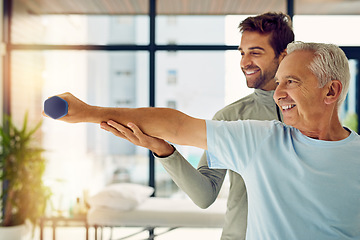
[232,144]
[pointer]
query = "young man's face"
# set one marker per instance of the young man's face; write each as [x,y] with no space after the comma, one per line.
[298,94]
[258,61]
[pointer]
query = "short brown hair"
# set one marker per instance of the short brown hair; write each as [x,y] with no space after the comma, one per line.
[277,24]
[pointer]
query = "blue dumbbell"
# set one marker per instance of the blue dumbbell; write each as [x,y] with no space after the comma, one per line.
[55,107]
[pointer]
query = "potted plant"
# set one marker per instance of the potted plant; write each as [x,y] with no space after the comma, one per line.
[22,165]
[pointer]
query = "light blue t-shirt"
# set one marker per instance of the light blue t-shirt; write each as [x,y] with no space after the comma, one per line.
[298,187]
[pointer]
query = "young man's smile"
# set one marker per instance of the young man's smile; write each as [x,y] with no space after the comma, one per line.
[258,62]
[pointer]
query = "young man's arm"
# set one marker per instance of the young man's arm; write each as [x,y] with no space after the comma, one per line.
[202,185]
[164,123]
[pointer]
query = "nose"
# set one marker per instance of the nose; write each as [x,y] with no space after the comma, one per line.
[279,93]
[245,61]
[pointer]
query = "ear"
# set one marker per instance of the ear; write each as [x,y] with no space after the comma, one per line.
[282,55]
[334,89]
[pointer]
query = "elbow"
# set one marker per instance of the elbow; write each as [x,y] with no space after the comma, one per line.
[205,205]
[203,202]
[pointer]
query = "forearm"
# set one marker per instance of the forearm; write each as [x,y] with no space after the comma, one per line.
[164,123]
[200,185]
[214,179]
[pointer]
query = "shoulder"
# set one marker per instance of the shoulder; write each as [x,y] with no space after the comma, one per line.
[252,127]
[235,110]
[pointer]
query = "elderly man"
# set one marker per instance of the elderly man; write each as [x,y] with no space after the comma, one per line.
[302,177]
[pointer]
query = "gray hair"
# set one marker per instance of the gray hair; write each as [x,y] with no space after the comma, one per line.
[329,63]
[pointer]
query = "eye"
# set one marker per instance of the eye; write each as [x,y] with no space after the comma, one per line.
[292,82]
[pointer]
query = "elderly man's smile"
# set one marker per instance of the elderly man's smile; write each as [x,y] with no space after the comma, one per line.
[287,107]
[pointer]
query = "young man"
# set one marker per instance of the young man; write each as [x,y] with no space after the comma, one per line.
[263,44]
[303,178]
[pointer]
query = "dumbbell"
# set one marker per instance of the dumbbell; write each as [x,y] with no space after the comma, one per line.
[55,107]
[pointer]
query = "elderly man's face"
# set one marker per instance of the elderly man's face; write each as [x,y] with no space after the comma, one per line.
[298,94]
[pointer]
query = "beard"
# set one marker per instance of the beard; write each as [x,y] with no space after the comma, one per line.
[265,76]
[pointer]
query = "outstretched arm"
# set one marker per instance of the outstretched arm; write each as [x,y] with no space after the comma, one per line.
[164,123]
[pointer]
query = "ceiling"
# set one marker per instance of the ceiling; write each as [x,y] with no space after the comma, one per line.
[190,7]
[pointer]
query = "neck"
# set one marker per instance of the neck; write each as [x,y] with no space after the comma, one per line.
[331,130]
[333,135]
[271,85]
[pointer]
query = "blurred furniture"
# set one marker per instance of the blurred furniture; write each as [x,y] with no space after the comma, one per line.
[54,222]
[170,213]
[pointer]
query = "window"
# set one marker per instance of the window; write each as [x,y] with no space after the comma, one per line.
[171,77]
[171,104]
[104,60]
[185,80]
[334,29]
[78,29]
[99,78]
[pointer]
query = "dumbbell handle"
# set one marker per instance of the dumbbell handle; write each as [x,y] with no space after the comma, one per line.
[55,107]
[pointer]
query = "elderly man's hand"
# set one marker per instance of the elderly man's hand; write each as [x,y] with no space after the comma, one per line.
[78,111]
[133,134]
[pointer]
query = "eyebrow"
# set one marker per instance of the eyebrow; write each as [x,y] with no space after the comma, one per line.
[293,77]
[287,77]
[253,48]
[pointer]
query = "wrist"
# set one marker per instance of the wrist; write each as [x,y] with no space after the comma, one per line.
[165,151]
[96,114]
